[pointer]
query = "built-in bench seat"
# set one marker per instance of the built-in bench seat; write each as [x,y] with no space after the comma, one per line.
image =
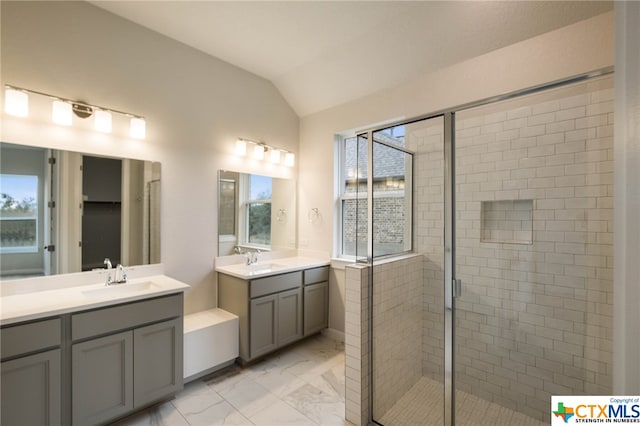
[210,342]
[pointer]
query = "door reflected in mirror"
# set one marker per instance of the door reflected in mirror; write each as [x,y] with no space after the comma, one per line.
[255,212]
[64,211]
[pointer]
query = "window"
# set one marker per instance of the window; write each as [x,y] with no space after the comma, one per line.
[18,213]
[258,210]
[392,196]
[353,197]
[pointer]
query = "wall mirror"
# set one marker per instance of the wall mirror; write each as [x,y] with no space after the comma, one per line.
[255,212]
[64,211]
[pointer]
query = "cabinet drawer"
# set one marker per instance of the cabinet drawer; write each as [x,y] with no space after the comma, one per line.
[25,338]
[121,317]
[274,284]
[316,275]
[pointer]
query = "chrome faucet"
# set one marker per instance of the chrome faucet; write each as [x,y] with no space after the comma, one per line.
[121,275]
[252,257]
[108,266]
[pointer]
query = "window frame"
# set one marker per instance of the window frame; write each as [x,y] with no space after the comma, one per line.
[245,203]
[342,197]
[35,248]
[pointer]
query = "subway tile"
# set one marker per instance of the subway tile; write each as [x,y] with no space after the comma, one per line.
[571,113]
[599,108]
[550,139]
[542,118]
[561,126]
[571,147]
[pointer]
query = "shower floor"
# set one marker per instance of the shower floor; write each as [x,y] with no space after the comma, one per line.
[422,405]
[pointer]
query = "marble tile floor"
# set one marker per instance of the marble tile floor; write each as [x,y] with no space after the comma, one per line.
[301,385]
[422,406]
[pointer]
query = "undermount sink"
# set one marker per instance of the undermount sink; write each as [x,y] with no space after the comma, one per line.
[263,266]
[121,289]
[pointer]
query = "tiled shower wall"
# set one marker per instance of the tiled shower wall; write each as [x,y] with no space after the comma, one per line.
[397,330]
[534,320]
[426,140]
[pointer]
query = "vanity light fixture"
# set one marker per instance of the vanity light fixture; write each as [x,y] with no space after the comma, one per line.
[273,154]
[241,147]
[102,121]
[17,104]
[138,128]
[61,112]
[289,159]
[16,101]
[258,152]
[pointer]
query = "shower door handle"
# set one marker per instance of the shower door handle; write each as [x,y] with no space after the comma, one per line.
[457,288]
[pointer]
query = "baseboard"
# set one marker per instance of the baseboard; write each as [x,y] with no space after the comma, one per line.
[334,334]
[208,371]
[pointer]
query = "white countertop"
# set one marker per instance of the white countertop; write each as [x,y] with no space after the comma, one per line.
[267,267]
[41,304]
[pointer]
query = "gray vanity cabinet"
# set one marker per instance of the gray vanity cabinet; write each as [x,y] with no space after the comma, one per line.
[269,308]
[157,361]
[125,357]
[31,390]
[102,379]
[289,316]
[31,373]
[316,300]
[264,325]
[276,320]
[276,310]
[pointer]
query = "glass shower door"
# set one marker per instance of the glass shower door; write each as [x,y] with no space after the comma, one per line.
[406,251]
[534,231]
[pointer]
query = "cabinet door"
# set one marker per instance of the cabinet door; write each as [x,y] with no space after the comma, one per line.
[289,316]
[263,329]
[157,361]
[102,378]
[31,389]
[316,307]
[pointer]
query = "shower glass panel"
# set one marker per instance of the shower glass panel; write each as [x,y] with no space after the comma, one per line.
[534,234]
[354,202]
[392,198]
[407,292]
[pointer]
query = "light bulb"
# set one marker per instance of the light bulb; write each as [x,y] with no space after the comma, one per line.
[102,121]
[289,159]
[274,155]
[258,152]
[61,112]
[137,128]
[16,102]
[241,147]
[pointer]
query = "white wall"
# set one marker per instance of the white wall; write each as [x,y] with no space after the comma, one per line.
[582,47]
[585,46]
[195,106]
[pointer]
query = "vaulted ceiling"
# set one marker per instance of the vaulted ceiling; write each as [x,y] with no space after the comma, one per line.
[323,53]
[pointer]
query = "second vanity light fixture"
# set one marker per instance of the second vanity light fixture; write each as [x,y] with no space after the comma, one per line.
[16,103]
[262,151]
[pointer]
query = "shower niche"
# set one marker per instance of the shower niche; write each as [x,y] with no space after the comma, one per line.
[506,221]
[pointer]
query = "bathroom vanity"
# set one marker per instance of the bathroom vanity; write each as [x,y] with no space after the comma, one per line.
[90,354]
[278,302]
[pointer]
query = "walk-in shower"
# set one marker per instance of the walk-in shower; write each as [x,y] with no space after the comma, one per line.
[513,198]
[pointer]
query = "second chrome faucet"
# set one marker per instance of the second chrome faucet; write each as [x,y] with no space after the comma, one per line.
[252,257]
[120,273]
